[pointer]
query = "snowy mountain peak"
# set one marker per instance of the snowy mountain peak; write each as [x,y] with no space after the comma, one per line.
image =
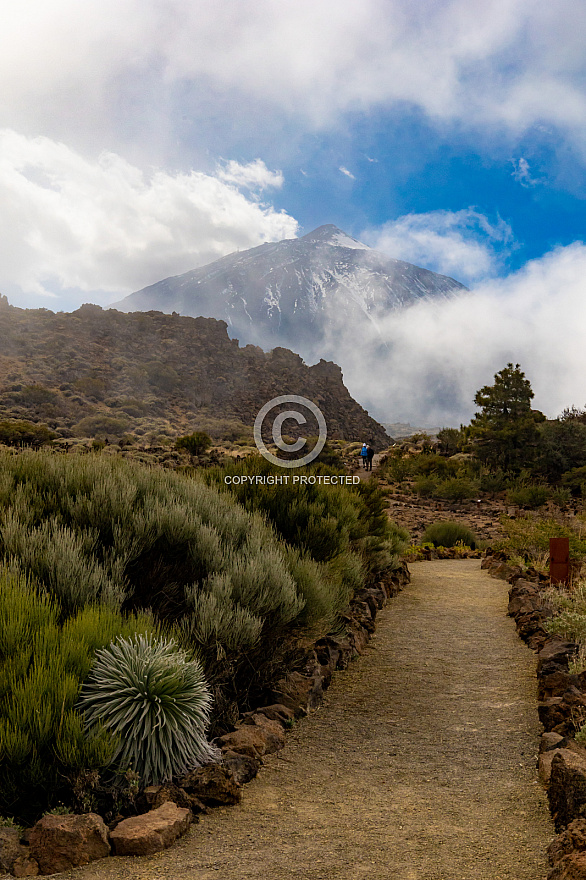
[297,293]
[331,235]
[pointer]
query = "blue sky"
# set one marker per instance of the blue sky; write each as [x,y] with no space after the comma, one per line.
[142,138]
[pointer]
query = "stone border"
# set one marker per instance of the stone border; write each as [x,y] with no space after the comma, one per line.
[561,706]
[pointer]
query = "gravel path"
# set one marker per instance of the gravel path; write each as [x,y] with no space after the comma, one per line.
[420,765]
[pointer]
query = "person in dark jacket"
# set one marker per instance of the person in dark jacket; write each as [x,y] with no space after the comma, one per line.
[369,457]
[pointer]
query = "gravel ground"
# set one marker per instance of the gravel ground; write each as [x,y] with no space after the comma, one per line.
[419,766]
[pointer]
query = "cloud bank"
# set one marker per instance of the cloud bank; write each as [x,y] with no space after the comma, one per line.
[92,65]
[108,225]
[425,364]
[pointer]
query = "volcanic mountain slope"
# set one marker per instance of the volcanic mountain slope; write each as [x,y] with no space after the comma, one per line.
[293,292]
[96,373]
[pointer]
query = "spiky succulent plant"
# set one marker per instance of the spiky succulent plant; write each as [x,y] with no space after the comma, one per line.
[155,699]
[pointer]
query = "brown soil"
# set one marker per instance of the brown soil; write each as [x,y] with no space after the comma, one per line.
[415,514]
[420,765]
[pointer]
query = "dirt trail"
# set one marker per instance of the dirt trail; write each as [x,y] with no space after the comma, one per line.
[360,471]
[420,765]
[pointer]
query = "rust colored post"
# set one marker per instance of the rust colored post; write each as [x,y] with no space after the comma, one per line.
[559,560]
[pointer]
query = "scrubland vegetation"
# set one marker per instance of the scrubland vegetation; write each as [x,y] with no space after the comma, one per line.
[186,589]
[109,568]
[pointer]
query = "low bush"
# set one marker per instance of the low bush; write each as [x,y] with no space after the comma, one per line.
[456,489]
[37,396]
[43,744]
[19,432]
[575,481]
[529,537]
[570,625]
[395,466]
[195,444]
[91,386]
[162,376]
[531,497]
[560,496]
[425,487]
[448,534]
[102,425]
[493,481]
[431,463]
[331,456]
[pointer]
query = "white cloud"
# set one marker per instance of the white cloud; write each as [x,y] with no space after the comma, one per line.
[108,225]
[425,363]
[346,172]
[79,69]
[522,173]
[463,244]
[254,175]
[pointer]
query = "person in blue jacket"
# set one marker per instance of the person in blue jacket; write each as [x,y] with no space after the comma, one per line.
[364,455]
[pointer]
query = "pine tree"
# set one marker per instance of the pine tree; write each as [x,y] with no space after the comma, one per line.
[504,433]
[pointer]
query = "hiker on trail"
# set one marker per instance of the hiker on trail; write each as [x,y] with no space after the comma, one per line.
[369,457]
[364,456]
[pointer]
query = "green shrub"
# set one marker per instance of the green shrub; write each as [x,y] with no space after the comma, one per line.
[574,480]
[321,521]
[102,425]
[529,537]
[317,519]
[92,386]
[561,600]
[90,529]
[42,738]
[37,396]
[431,463]
[425,487]
[560,496]
[330,456]
[448,534]
[162,376]
[456,489]
[569,625]
[530,497]
[155,700]
[493,481]
[15,432]
[58,557]
[395,466]
[194,444]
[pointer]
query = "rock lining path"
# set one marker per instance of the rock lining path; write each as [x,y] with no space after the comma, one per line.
[420,765]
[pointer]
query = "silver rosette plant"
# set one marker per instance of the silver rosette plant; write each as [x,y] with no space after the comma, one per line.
[154,698]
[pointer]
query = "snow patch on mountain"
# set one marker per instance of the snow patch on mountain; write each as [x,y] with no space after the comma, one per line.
[296,292]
